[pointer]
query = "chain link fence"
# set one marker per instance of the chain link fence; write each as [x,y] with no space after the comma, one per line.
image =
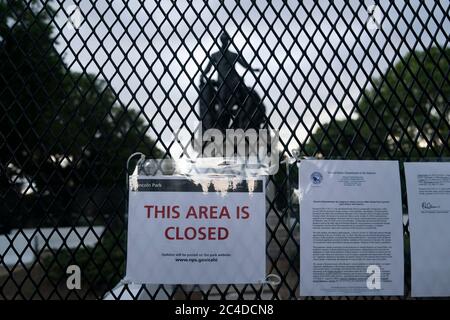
[85,84]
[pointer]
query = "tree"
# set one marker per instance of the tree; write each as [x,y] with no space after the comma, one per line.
[62,130]
[30,71]
[406,114]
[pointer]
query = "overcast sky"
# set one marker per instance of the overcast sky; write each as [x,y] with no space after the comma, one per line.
[294,44]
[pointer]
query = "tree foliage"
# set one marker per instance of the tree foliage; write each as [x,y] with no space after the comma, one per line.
[404,115]
[52,116]
[59,129]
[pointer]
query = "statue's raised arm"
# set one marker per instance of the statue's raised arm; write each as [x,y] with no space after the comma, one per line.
[228,102]
[245,64]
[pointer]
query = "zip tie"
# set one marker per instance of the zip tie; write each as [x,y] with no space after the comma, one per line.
[299,158]
[137,165]
[296,154]
[275,281]
[272,279]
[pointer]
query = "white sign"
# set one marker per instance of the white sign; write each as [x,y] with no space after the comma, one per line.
[428,187]
[203,231]
[351,235]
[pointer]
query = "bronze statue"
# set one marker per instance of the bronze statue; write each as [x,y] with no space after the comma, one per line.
[227,102]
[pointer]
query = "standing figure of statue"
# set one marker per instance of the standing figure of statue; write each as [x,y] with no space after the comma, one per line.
[227,102]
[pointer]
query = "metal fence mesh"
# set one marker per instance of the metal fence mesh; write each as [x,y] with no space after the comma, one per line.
[85,84]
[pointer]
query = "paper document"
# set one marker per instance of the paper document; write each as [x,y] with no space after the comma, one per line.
[351,231]
[428,189]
